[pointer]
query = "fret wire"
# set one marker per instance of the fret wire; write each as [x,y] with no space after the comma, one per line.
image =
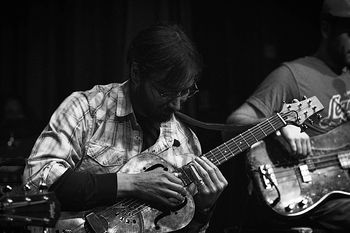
[249,139]
[259,132]
[231,152]
[221,153]
[218,153]
[210,157]
[211,152]
[236,148]
[262,130]
[233,139]
[266,127]
[270,124]
[244,140]
[259,128]
[252,135]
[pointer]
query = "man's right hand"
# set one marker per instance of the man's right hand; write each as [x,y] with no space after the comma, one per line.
[156,186]
[298,142]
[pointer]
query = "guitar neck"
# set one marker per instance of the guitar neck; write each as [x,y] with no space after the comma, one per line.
[245,140]
[238,144]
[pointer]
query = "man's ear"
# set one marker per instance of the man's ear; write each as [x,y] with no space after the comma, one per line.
[325,29]
[135,73]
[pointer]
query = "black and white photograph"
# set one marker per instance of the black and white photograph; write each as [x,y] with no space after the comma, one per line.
[157,116]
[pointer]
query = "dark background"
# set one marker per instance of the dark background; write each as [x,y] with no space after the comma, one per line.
[52,48]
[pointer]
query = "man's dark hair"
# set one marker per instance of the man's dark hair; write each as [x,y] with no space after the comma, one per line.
[165,48]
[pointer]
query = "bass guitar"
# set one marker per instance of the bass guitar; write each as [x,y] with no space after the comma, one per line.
[132,215]
[291,187]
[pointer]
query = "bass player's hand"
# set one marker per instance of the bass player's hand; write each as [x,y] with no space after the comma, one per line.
[298,142]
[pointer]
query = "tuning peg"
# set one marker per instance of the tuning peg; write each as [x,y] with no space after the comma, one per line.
[310,121]
[43,187]
[6,189]
[303,127]
[26,188]
[295,101]
[309,102]
[304,97]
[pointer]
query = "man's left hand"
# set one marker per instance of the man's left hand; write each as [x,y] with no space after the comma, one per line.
[210,183]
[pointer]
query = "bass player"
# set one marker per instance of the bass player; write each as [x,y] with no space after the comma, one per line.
[324,74]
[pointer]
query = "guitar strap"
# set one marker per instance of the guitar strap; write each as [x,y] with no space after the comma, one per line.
[205,125]
[208,125]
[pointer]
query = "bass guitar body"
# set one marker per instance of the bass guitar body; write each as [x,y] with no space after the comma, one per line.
[293,187]
[132,215]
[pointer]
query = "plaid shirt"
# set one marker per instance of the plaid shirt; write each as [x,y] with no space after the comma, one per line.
[96,131]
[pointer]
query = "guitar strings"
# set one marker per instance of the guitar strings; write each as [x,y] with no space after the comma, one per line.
[129,208]
[311,161]
[123,206]
[297,177]
[261,130]
[291,172]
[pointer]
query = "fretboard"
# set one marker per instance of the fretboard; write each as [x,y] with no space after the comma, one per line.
[244,140]
[238,144]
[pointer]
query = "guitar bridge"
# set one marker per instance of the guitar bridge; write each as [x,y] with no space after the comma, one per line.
[268,176]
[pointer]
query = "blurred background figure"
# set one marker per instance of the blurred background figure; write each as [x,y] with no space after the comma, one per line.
[18,132]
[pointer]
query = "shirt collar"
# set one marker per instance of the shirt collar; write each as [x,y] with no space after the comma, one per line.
[124,108]
[123,100]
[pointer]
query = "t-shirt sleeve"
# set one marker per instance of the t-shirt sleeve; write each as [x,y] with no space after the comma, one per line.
[279,86]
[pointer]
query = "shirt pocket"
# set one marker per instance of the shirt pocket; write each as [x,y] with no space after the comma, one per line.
[102,158]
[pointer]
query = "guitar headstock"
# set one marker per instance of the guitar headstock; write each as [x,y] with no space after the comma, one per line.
[298,112]
[34,210]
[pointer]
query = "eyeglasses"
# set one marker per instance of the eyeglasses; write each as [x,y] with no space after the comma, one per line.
[188,92]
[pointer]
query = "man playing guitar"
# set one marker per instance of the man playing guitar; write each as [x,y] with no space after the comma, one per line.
[120,145]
